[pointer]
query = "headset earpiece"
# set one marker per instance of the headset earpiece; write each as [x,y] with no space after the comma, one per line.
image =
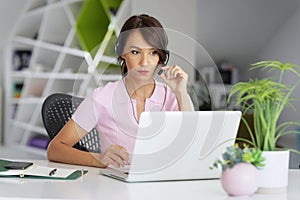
[167,57]
[117,49]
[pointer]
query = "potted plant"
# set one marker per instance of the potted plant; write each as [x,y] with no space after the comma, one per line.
[239,169]
[266,99]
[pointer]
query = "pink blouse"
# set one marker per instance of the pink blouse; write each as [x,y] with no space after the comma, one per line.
[110,110]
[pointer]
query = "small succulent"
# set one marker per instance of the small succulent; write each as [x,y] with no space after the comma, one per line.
[235,154]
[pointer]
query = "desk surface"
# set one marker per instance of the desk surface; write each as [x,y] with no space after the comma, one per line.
[95,186]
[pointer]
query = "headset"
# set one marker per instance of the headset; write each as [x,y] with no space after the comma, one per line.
[160,71]
[118,51]
[165,62]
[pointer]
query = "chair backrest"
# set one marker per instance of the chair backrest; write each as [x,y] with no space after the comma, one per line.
[57,110]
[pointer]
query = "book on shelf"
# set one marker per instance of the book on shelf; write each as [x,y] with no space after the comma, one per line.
[17,89]
[21,59]
[39,141]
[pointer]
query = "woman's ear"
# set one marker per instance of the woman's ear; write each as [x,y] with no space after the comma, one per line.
[123,56]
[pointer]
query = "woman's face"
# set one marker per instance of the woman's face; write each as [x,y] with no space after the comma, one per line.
[141,58]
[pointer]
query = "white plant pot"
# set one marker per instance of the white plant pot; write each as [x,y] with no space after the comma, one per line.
[273,178]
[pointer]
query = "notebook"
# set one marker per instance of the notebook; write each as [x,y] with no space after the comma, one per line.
[178,146]
[39,172]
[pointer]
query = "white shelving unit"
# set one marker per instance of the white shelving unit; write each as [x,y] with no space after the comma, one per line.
[1,111]
[45,33]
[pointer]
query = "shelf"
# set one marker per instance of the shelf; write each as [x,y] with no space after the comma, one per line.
[29,127]
[47,75]
[93,21]
[55,32]
[27,100]
[73,64]
[35,11]
[49,46]
[36,5]
[218,94]
[30,25]
[220,87]
[75,8]
[24,40]
[45,56]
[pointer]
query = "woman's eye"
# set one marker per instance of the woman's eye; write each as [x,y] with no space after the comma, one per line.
[154,53]
[134,52]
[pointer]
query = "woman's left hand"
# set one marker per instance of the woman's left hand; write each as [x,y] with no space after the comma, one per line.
[175,78]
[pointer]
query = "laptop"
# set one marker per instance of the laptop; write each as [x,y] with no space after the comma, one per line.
[178,146]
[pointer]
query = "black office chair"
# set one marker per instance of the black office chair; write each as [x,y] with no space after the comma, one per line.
[57,110]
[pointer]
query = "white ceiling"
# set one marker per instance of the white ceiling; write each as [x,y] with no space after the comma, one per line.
[238,29]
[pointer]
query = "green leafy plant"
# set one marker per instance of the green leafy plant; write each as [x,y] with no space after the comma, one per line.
[266,99]
[235,154]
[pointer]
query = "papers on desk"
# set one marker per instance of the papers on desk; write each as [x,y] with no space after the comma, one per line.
[37,171]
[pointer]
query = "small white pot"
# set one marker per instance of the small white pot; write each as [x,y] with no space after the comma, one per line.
[273,178]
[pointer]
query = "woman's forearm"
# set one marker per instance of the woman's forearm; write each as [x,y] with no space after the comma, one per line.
[60,149]
[184,101]
[60,152]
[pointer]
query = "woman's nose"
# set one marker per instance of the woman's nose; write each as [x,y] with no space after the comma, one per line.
[145,60]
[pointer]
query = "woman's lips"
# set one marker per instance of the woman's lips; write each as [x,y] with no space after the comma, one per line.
[143,72]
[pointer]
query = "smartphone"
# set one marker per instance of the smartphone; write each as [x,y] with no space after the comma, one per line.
[18,165]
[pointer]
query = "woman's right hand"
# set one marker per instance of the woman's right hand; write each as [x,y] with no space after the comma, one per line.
[115,155]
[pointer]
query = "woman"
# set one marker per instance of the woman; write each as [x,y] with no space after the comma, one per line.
[115,109]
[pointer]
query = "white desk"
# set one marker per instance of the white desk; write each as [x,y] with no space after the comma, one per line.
[95,186]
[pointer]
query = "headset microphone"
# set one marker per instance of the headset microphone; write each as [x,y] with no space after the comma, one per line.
[160,71]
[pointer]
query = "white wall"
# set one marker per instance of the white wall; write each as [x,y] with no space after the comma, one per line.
[237,30]
[9,13]
[285,47]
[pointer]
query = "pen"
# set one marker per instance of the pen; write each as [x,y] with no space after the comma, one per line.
[52,172]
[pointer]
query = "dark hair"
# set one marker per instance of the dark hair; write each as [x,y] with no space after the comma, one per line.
[152,31]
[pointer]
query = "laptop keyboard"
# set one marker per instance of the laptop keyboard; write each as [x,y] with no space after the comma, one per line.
[124,169]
